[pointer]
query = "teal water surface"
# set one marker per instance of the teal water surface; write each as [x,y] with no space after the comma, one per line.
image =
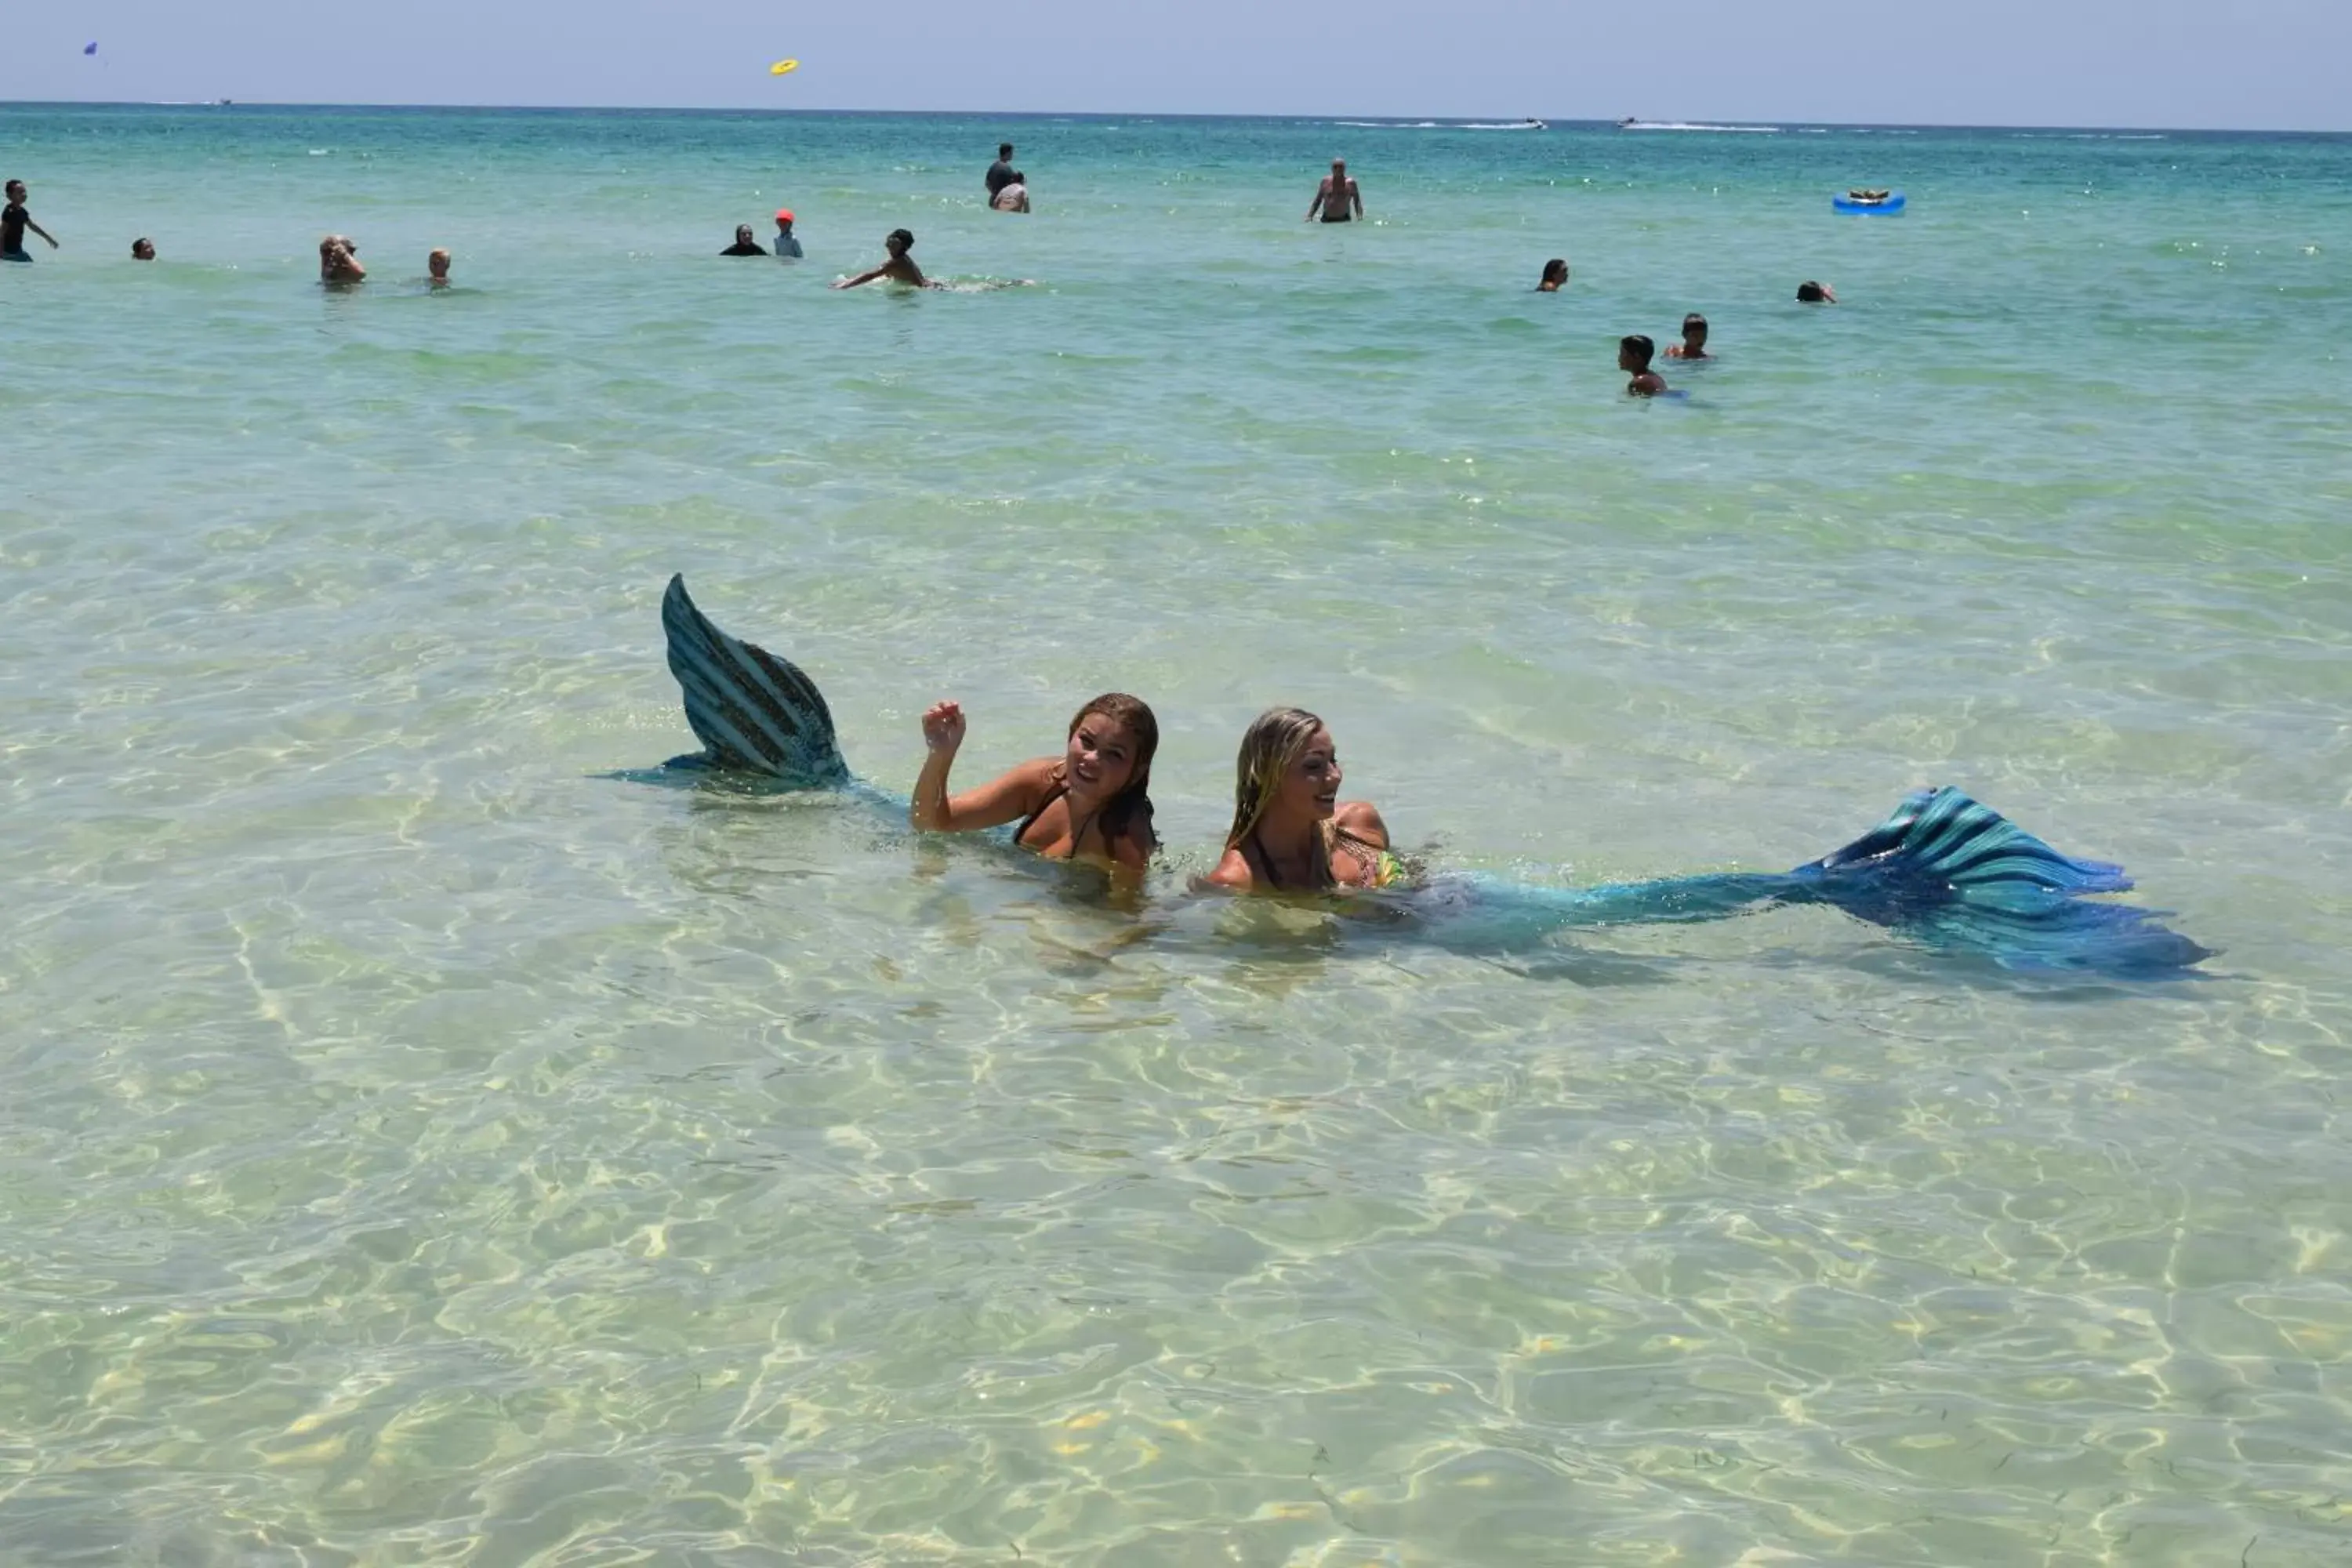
[418,1146]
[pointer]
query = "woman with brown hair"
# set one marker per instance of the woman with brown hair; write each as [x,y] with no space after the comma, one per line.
[1292,833]
[1093,803]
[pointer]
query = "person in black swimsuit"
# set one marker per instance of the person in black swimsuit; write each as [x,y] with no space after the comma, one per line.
[1292,833]
[1093,803]
[1337,198]
[14,221]
[744,244]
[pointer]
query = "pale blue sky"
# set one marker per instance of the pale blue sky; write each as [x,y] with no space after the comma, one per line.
[2256,64]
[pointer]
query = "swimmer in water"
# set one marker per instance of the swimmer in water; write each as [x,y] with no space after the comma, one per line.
[339,260]
[436,268]
[1093,803]
[1291,832]
[899,269]
[1693,343]
[1634,356]
[1812,293]
[744,244]
[1000,174]
[1339,198]
[787,247]
[14,221]
[1014,196]
[1555,276]
[143,249]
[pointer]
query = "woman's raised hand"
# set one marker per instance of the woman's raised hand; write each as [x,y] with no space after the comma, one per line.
[944,726]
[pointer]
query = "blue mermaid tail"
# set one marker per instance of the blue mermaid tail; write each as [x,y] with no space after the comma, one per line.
[1943,870]
[752,712]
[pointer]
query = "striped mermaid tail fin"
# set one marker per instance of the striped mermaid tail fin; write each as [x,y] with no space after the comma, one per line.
[1954,873]
[751,711]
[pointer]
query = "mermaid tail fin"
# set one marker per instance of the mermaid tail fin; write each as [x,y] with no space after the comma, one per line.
[751,710]
[1957,874]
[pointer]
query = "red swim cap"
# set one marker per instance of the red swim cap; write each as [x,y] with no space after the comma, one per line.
[783,215]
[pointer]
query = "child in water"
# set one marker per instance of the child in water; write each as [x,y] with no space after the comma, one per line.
[14,221]
[1693,343]
[1634,356]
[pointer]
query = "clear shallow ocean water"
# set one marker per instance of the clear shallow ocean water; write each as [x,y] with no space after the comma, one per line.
[415,1146]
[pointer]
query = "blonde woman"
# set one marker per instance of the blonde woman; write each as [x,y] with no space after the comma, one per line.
[1292,833]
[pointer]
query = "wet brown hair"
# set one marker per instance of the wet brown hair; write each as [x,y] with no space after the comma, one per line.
[1127,814]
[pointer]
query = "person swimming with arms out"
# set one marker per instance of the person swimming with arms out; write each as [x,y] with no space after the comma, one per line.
[787,247]
[1555,276]
[339,261]
[14,221]
[1291,832]
[899,269]
[1693,343]
[744,244]
[1091,803]
[1634,356]
[1339,198]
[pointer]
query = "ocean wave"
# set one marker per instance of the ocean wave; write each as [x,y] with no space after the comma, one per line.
[1695,125]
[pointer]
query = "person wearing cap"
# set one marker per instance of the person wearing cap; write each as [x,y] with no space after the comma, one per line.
[786,244]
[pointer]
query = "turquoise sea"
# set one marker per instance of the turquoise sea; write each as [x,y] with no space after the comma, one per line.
[417,1146]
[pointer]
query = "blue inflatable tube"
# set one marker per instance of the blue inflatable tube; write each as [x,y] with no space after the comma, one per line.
[1845,202]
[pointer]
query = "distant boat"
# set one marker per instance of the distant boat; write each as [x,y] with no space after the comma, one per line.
[1532,123]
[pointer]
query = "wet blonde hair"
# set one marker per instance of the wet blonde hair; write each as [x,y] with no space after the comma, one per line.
[1274,739]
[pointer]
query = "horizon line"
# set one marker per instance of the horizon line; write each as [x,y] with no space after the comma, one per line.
[1406,119]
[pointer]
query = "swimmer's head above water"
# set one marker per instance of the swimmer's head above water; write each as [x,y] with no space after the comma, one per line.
[143,249]
[1288,767]
[898,241]
[1107,757]
[1812,293]
[1555,276]
[1634,353]
[436,265]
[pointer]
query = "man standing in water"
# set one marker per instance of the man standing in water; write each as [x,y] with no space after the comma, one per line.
[1337,198]
[1000,174]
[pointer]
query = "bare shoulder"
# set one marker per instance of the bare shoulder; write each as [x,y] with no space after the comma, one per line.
[1233,872]
[1034,777]
[1362,818]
